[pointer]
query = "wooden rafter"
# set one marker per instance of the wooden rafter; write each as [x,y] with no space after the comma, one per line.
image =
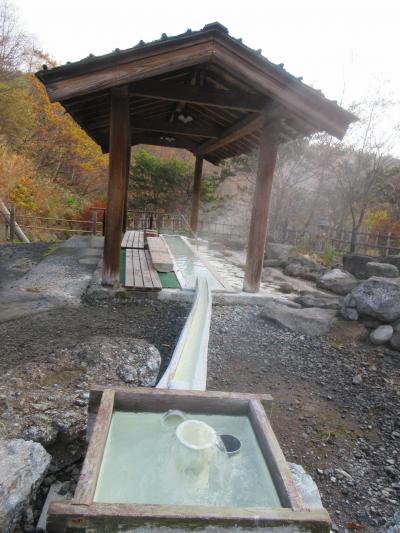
[201,96]
[161,126]
[162,140]
[244,127]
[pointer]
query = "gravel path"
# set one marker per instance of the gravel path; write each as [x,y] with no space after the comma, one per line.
[336,409]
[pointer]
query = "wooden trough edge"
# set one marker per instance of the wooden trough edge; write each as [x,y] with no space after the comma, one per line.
[159,397]
[64,517]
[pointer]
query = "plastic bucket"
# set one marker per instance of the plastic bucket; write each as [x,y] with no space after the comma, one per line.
[197,444]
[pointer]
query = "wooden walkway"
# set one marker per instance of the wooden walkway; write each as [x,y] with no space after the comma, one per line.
[139,270]
[133,239]
[160,254]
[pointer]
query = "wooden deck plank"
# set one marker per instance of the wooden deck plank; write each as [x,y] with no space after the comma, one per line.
[133,239]
[153,273]
[129,282]
[130,240]
[147,280]
[137,270]
[125,239]
[160,255]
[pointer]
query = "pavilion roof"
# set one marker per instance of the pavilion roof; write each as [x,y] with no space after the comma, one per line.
[202,90]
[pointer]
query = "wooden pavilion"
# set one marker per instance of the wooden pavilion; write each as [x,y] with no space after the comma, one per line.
[204,91]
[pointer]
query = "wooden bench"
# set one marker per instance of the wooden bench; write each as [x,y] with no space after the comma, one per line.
[133,239]
[139,270]
[160,254]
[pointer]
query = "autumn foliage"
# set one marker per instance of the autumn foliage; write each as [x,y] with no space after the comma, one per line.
[48,165]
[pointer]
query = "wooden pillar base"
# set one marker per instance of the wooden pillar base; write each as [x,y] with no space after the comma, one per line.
[260,211]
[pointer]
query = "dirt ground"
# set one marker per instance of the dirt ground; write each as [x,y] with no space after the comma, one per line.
[336,408]
[344,432]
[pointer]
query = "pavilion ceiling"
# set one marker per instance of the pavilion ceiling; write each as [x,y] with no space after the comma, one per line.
[203,91]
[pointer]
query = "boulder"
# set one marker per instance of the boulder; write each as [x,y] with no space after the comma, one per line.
[315,300]
[383,270]
[45,434]
[357,264]
[273,263]
[378,298]
[371,323]
[381,335]
[301,267]
[337,281]
[395,341]
[275,250]
[393,260]
[134,361]
[286,287]
[396,326]
[312,321]
[350,313]
[23,465]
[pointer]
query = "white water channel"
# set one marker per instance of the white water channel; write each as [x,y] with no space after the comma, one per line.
[190,263]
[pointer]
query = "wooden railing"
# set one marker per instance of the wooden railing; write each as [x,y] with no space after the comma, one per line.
[315,237]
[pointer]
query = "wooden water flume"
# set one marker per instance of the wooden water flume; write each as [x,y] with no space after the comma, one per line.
[187,369]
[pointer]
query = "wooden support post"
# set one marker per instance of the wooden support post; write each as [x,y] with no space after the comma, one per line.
[94,221]
[198,170]
[388,244]
[119,141]
[261,202]
[103,226]
[128,165]
[12,223]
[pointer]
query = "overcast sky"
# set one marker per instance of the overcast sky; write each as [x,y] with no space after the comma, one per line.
[347,48]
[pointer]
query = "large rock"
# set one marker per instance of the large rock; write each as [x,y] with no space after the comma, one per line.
[381,335]
[316,300]
[383,270]
[379,298]
[337,281]
[274,250]
[350,313]
[312,321]
[395,341]
[393,260]
[23,465]
[357,264]
[273,263]
[301,267]
[134,361]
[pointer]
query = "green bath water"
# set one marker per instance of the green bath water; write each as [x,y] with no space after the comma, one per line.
[144,463]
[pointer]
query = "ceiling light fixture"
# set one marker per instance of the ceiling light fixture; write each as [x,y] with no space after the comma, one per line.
[185,118]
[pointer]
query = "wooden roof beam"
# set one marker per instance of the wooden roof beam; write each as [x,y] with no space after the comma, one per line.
[191,130]
[244,127]
[163,127]
[160,140]
[137,69]
[190,94]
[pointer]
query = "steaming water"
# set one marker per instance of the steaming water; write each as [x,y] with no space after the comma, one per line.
[144,463]
[189,263]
